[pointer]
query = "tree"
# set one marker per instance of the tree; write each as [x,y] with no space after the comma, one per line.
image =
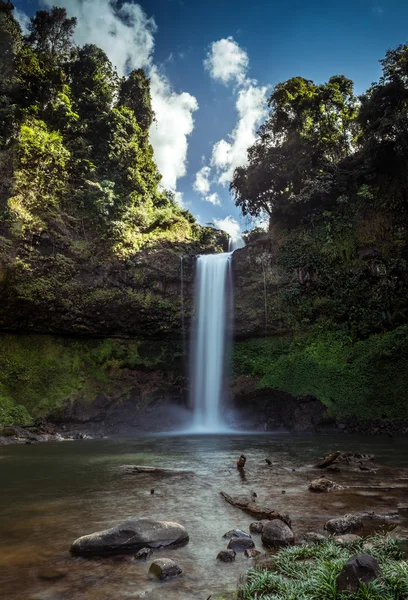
[310,129]
[135,94]
[51,33]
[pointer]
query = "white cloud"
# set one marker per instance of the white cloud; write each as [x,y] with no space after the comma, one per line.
[178,196]
[227,61]
[213,199]
[126,34]
[229,154]
[23,20]
[174,116]
[230,225]
[202,182]
[124,31]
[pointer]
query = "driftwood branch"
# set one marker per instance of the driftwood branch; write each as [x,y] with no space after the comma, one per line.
[256,510]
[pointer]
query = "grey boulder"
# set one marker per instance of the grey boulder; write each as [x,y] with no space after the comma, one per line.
[235,533]
[164,568]
[130,537]
[240,544]
[276,534]
[226,555]
[346,524]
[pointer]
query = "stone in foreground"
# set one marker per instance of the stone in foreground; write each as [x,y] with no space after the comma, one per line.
[226,555]
[240,544]
[277,534]
[130,537]
[346,524]
[357,570]
[324,485]
[164,568]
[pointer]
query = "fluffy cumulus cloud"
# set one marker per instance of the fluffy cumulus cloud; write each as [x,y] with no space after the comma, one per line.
[226,61]
[202,181]
[229,154]
[230,225]
[213,199]
[174,123]
[126,34]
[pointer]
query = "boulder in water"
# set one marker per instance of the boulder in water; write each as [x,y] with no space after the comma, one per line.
[324,485]
[277,534]
[226,555]
[143,554]
[129,537]
[257,526]
[346,524]
[240,544]
[164,568]
[236,533]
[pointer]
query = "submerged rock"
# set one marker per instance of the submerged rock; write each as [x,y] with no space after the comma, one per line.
[240,544]
[226,555]
[252,553]
[129,537]
[324,485]
[236,533]
[164,568]
[276,534]
[144,554]
[359,569]
[346,524]
[257,526]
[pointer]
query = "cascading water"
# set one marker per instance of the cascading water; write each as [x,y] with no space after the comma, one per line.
[212,301]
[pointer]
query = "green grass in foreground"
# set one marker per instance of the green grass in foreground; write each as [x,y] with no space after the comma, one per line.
[309,573]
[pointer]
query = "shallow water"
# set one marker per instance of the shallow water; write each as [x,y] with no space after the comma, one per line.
[53,493]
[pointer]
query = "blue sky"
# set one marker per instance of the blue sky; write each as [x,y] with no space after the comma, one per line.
[206,115]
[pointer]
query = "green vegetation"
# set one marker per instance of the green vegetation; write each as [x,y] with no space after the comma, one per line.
[309,573]
[329,170]
[75,156]
[42,373]
[366,379]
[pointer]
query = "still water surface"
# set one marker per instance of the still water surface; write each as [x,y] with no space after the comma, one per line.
[53,493]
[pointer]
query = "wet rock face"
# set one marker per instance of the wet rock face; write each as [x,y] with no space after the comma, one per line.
[226,556]
[129,537]
[164,568]
[362,568]
[277,534]
[240,544]
[346,524]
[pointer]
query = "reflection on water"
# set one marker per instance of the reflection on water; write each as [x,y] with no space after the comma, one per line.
[53,493]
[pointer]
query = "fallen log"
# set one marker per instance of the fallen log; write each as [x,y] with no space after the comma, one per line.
[255,510]
[326,462]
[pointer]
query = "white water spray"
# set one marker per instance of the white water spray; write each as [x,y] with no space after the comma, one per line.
[213,292]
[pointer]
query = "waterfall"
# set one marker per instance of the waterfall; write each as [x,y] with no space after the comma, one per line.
[212,300]
[235,243]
